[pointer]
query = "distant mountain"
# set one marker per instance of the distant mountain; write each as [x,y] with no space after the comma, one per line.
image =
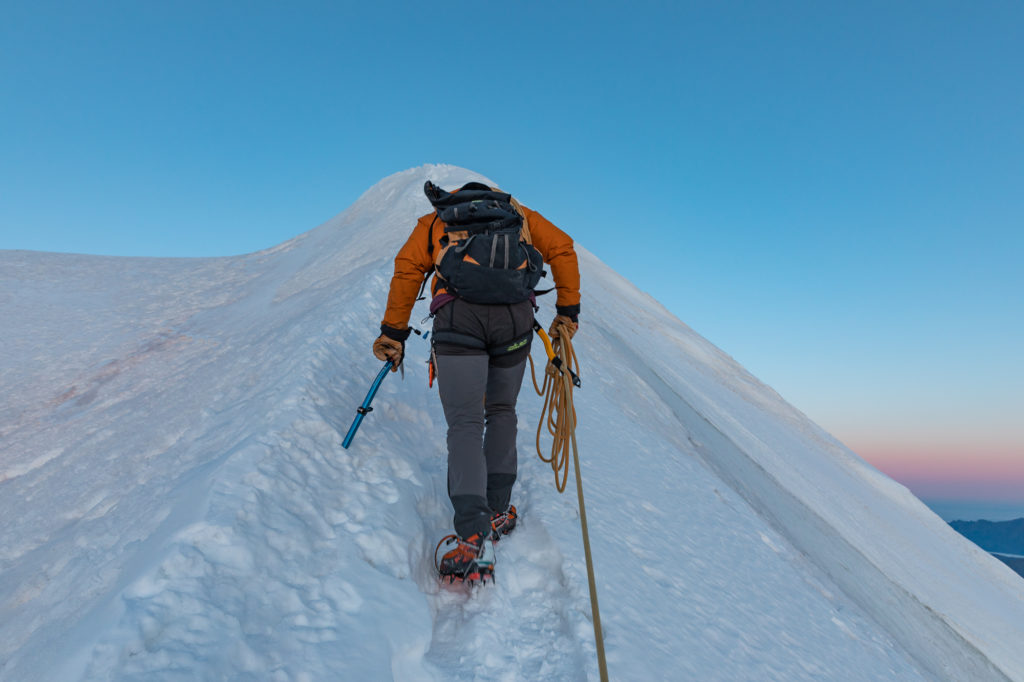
[1005,537]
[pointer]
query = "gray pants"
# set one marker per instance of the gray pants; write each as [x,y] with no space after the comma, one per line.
[479,401]
[480,353]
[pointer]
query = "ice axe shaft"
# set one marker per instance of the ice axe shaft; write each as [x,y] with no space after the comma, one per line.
[365,408]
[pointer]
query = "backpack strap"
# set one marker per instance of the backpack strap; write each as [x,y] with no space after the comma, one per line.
[524,233]
[526,237]
[430,252]
[430,242]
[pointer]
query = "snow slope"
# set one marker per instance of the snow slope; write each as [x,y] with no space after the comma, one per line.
[175,503]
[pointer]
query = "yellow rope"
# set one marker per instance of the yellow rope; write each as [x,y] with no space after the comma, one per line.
[559,413]
[555,412]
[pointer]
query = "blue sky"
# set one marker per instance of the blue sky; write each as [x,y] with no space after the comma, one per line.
[831,192]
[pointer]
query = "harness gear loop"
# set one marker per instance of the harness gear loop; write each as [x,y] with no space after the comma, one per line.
[560,376]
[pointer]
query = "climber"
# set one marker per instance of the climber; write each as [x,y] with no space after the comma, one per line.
[487,253]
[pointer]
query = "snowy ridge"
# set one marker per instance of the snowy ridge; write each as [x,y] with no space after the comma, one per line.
[175,502]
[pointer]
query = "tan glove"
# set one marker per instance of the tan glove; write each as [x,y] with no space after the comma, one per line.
[561,320]
[386,348]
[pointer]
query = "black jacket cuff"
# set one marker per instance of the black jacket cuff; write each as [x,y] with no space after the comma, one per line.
[570,311]
[396,334]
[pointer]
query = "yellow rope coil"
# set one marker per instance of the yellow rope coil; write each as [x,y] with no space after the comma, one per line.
[558,404]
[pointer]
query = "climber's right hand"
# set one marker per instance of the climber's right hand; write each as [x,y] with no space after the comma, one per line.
[563,321]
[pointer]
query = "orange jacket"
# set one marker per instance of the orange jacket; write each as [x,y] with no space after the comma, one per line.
[414,261]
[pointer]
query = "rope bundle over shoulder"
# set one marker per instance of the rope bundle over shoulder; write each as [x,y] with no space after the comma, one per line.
[561,375]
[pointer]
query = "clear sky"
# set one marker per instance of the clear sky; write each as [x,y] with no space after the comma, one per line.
[831,192]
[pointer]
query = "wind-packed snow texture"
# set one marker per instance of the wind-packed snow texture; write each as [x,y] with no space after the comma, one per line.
[175,503]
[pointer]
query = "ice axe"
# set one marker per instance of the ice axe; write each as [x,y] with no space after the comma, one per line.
[552,358]
[365,408]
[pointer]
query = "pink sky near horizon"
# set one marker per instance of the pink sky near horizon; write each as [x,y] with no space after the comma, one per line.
[990,472]
[964,444]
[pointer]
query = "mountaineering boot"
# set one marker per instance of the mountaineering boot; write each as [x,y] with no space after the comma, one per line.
[471,559]
[502,523]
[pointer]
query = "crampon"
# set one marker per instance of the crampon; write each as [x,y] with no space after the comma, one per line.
[468,561]
[502,523]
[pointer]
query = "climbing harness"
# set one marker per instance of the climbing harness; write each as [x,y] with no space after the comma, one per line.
[561,375]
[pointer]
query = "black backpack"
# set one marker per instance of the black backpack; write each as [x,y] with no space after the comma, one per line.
[484,257]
